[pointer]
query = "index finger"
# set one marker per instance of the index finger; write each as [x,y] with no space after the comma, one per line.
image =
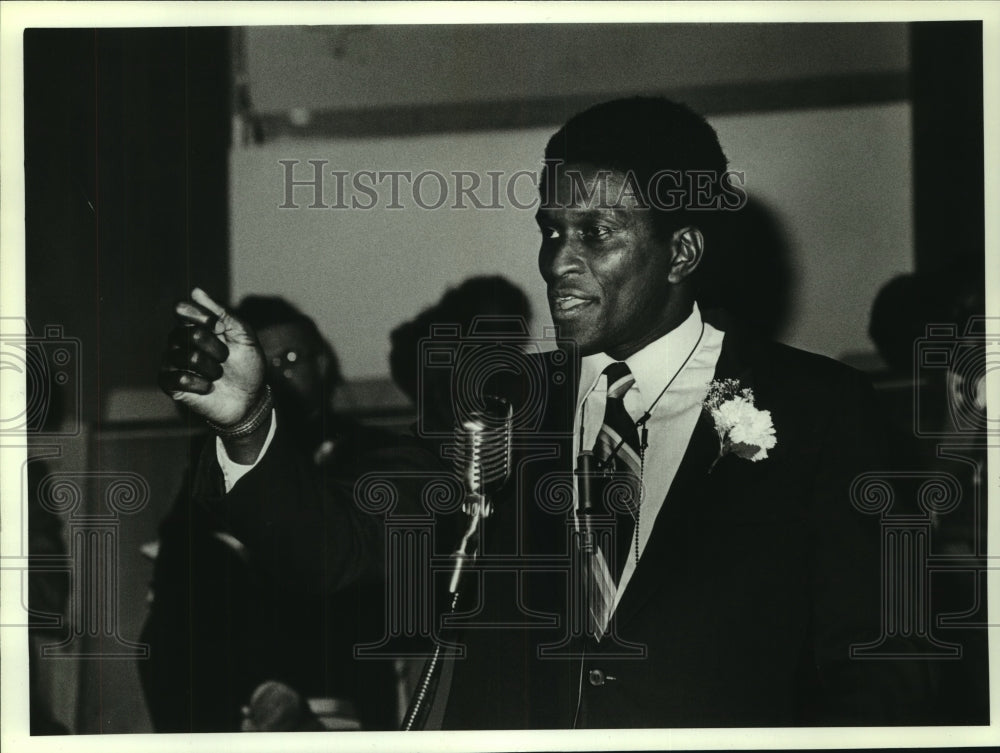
[201,297]
[195,314]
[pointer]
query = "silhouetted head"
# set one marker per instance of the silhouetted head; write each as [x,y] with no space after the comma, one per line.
[499,305]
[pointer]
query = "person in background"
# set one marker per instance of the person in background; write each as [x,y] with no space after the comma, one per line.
[222,627]
[938,409]
[304,374]
[909,310]
[490,303]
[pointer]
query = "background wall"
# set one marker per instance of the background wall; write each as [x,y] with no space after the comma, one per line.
[836,181]
[349,68]
[816,115]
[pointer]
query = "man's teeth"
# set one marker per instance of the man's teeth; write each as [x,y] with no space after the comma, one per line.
[567,302]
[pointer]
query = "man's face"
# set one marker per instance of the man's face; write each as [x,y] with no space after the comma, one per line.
[605,265]
[296,365]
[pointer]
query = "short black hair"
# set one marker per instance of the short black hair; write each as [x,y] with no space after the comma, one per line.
[644,136]
[261,311]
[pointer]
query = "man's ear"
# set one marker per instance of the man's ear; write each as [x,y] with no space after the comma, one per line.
[687,246]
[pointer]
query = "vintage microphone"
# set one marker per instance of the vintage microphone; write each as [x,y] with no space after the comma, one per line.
[482,460]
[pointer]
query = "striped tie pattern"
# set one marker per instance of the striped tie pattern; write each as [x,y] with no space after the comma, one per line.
[617,451]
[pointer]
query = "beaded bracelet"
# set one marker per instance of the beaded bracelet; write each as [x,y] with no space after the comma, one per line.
[253,420]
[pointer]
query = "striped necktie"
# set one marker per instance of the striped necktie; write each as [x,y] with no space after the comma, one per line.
[617,451]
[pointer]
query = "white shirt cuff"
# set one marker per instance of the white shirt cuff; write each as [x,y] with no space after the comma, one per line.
[233,471]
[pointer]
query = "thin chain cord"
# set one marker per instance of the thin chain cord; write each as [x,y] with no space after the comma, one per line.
[644,440]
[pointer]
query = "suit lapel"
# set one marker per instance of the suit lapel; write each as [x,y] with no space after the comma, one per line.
[702,449]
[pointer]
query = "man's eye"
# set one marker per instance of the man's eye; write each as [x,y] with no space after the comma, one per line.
[548,233]
[595,231]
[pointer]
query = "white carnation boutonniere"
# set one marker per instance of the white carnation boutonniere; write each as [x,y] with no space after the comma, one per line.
[743,429]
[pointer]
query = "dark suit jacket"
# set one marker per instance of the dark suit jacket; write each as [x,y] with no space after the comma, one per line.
[755,583]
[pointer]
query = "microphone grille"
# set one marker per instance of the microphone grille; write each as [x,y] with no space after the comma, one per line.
[484,446]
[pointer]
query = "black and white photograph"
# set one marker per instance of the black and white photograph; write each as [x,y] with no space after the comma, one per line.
[499,376]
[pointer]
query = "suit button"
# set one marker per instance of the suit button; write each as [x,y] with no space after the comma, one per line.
[596,677]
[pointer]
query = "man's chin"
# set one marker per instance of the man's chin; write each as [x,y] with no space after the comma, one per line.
[581,336]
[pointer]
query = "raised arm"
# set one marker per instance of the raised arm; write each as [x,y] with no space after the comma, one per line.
[297,525]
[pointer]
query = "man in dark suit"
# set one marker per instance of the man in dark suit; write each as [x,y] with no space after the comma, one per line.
[745,575]
[730,582]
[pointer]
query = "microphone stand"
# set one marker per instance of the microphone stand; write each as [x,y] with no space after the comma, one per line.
[476,508]
[481,461]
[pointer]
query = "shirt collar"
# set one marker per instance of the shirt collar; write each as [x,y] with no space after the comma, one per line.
[652,365]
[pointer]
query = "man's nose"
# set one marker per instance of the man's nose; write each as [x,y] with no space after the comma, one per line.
[560,257]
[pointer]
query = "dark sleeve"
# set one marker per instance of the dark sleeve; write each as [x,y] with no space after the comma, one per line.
[856,685]
[196,675]
[287,527]
[299,527]
[303,526]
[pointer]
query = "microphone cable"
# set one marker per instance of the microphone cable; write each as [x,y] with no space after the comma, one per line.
[483,462]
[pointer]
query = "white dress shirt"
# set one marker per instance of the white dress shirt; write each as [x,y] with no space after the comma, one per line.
[686,351]
[233,471]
